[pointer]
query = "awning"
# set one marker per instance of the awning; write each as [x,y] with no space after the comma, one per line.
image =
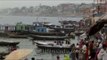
[19,54]
[98,26]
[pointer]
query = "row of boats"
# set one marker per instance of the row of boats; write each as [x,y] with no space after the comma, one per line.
[57,43]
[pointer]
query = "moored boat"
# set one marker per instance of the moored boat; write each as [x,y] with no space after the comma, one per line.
[16,35]
[7,47]
[54,47]
[39,37]
[8,43]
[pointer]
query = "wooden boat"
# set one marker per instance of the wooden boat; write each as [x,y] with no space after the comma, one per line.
[8,43]
[38,33]
[26,34]
[39,37]
[78,33]
[47,33]
[66,30]
[8,47]
[53,48]
[16,35]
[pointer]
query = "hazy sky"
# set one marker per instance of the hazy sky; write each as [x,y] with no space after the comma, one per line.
[20,3]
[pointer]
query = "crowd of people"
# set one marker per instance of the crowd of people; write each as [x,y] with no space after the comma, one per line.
[89,50]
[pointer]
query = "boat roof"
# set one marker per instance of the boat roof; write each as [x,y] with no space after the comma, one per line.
[6,41]
[41,42]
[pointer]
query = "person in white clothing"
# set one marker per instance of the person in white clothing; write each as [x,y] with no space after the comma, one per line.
[100,45]
[77,51]
[102,55]
[84,48]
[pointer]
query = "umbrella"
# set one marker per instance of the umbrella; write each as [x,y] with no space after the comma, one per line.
[18,54]
[96,27]
[99,25]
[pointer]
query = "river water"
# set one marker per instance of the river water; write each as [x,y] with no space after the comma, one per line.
[28,20]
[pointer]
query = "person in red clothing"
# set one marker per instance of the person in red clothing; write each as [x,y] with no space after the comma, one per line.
[91,44]
[105,43]
[81,44]
[13,48]
[87,50]
[92,51]
[87,54]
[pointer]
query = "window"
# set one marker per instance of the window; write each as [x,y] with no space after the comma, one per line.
[38,30]
[42,30]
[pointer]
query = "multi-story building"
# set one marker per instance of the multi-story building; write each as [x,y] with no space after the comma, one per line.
[6,28]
